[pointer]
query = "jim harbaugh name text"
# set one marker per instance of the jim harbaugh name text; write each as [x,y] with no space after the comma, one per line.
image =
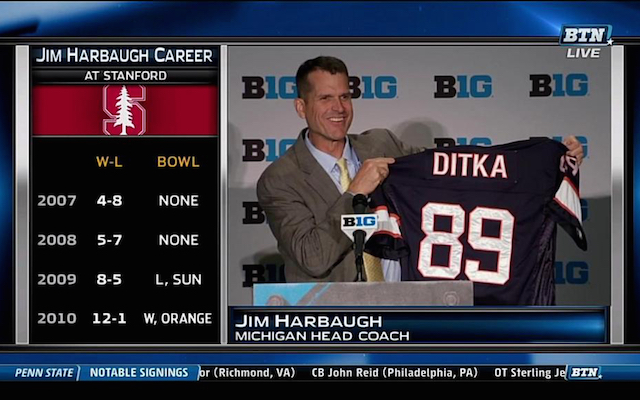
[310,321]
[125,55]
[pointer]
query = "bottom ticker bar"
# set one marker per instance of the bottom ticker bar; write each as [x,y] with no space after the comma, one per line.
[229,372]
[278,373]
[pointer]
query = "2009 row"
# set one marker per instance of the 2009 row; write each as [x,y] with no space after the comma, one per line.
[63,279]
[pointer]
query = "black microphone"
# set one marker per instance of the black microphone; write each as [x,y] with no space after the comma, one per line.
[360,203]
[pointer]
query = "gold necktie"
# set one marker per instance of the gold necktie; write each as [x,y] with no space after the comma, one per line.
[372,265]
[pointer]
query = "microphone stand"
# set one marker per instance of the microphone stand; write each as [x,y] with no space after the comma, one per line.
[359,268]
[359,207]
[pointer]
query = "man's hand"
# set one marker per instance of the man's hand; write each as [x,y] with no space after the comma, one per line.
[370,175]
[575,148]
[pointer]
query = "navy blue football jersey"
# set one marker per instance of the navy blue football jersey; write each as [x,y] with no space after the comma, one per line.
[484,214]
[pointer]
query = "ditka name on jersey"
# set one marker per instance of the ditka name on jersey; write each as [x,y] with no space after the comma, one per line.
[469,164]
[311,321]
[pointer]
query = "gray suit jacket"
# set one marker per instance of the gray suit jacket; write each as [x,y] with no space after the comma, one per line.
[303,208]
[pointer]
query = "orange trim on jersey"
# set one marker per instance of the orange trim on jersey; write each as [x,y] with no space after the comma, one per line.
[565,207]
[396,217]
[575,189]
[389,233]
[392,215]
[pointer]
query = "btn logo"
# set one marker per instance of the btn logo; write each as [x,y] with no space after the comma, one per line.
[258,273]
[122,105]
[582,40]
[265,149]
[284,87]
[559,85]
[586,35]
[462,86]
[572,273]
[583,373]
[461,141]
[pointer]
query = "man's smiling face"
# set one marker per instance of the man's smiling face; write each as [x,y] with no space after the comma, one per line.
[327,107]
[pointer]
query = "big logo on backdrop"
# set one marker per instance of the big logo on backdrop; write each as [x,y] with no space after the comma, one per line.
[482,141]
[265,149]
[559,85]
[462,86]
[262,273]
[284,87]
[571,273]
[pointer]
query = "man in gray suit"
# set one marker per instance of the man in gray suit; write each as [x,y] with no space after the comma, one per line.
[302,192]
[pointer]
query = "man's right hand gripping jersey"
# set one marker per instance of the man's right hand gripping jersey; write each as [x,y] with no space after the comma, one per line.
[484,214]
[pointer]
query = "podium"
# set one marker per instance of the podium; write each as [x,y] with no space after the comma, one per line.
[441,293]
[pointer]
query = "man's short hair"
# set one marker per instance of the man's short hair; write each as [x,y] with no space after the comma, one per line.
[330,64]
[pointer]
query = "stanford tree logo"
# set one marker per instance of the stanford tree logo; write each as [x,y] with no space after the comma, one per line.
[122,104]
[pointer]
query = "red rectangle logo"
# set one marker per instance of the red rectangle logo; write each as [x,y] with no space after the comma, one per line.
[125,110]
